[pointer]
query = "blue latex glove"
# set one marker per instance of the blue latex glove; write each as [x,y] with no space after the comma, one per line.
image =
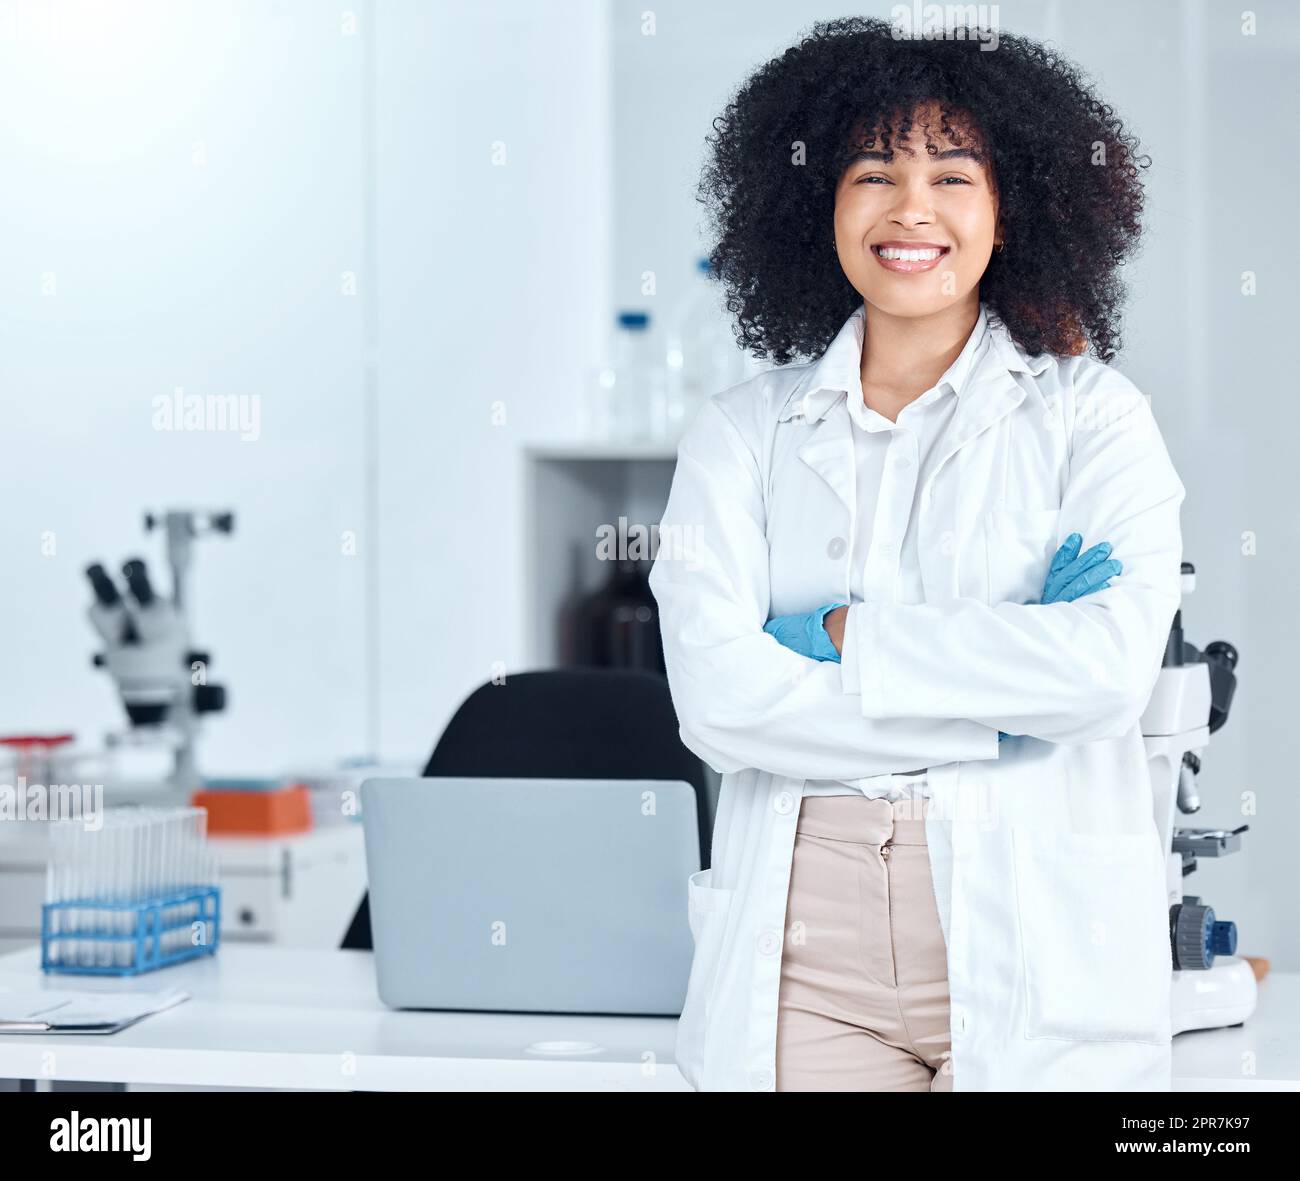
[805,633]
[1073,575]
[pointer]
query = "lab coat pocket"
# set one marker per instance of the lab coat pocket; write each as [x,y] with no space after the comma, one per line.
[1094,935]
[709,907]
[1018,549]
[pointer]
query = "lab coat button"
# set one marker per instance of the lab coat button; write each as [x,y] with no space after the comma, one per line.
[837,548]
[769,942]
[761,1080]
[903,461]
[784,803]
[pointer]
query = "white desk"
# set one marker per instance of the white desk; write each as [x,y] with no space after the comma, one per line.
[296,1019]
[312,1020]
[1262,1054]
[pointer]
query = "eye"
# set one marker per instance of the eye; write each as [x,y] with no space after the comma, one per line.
[961,180]
[874,176]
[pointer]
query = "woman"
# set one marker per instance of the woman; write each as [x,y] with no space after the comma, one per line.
[935,864]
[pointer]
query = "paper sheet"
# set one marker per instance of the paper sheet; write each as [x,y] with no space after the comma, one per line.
[81,1012]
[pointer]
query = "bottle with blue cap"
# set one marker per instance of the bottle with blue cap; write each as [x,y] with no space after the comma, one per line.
[633,385]
[701,355]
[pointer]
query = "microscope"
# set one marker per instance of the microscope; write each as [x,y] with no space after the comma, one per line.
[160,677]
[1212,986]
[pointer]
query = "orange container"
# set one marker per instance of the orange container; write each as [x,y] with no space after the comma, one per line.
[256,813]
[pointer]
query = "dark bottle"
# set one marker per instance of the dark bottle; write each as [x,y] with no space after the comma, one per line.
[618,625]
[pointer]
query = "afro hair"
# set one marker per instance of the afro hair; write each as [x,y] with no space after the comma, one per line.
[1066,172]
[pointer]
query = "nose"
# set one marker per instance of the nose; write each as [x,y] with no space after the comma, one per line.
[912,206]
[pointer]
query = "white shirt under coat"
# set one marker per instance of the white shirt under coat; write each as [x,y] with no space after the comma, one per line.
[890,460]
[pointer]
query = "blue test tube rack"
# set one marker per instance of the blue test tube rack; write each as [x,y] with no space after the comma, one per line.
[140,927]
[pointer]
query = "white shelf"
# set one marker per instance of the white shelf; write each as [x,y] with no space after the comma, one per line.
[570,491]
[578,452]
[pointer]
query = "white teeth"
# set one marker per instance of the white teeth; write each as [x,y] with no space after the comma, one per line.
[892,252]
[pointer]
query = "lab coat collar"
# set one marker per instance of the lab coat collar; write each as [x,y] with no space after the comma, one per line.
[839,369]
[982,377]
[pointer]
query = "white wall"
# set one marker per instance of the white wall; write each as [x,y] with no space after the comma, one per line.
[188,174]
[1214,109]
[195,178]
[494,283]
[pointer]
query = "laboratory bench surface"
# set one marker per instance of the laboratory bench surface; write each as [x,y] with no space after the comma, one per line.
[312,1020]
[271,1017]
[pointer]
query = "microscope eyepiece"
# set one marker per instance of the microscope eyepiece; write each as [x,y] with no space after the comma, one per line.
[137,578]
[105,592]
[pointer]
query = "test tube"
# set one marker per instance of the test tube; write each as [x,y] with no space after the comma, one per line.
[158,831]
[53,886]
[157,860]
[64,881]
[100,844]
[207,873]
[85,841]
[189,873]
[121,867]
[62,858]
[132,890]
[142,864]
[198,824]
[155,854]
[186,913]
[145,839]
[171,827]
[86,915]
[179,821]
[95,894]
[103,916]
[75,853]
[185,830]
[69,851]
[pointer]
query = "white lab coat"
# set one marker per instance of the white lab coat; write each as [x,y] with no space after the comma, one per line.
[1047,863]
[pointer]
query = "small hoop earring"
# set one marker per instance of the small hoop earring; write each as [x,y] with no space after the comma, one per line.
[1000,247]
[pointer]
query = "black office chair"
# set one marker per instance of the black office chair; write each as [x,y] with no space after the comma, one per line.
[564,724]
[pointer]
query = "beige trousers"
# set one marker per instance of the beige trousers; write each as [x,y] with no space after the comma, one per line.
[864,972]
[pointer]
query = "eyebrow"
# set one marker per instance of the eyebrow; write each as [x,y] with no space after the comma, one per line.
[949,154]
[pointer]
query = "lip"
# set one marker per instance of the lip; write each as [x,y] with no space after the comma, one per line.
[901,267]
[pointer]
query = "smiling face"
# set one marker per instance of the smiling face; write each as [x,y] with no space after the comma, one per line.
[914,229]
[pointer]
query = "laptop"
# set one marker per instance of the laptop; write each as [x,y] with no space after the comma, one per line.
[531,895]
